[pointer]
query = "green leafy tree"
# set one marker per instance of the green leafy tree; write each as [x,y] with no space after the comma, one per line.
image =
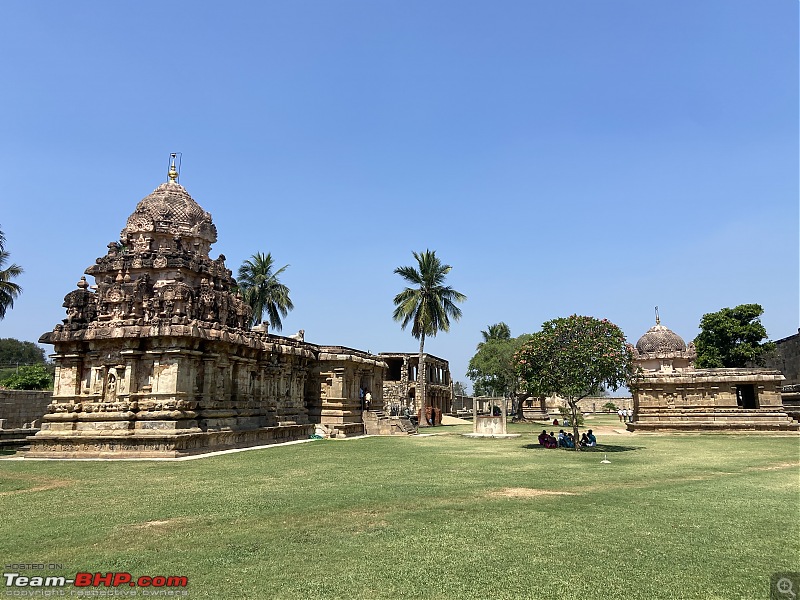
[732,337]
[574,357]
[262,290]
[9,290]
[30,377]
[610,407]
[498,331]
[428,305]
[492,368]
[15,352]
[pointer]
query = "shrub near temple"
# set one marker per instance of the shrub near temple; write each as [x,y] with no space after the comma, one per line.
[30,377]
[575,357]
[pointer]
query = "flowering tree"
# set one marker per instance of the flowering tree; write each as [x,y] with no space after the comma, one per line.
[574,357]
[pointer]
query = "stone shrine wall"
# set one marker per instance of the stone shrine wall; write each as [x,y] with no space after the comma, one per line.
[710,399]
[18,407]
[786,359]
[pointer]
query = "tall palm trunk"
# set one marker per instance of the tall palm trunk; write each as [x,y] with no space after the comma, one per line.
[421,382]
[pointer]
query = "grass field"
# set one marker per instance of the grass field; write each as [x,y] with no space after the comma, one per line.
[441,516]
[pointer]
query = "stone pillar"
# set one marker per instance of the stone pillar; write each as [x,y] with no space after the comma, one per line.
[130,378]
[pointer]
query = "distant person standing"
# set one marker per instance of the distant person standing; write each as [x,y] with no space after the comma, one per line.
[368,400]
[621,413]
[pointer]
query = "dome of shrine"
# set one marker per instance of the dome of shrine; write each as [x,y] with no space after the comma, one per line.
[171,210]
[660,339]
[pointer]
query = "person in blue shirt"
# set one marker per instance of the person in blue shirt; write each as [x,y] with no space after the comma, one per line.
[592,441]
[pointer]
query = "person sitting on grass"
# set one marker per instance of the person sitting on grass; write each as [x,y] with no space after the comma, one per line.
[551,441]
[592,440]
[569,441]
[584,440]
[543,437]
[562,438]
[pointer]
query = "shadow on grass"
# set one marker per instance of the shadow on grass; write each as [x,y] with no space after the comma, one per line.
[610,448]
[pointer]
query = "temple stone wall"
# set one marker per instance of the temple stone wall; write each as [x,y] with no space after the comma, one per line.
[710,399]
[786,359]
[20,407]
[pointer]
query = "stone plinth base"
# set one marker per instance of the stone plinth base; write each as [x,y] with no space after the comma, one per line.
[160,446]
[722,420]
[11,439]
[381,425]
[791,401]
[535,414]
[490,426]
[350,429]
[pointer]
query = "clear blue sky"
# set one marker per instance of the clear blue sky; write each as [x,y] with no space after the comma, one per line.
[596,157]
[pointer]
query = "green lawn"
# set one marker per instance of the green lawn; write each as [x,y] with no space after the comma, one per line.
[441,516]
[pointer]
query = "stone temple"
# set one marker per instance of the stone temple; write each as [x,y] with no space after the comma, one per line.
[672,395]
[158,359]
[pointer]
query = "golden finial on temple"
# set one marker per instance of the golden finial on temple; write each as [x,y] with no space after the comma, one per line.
[658,321]
[174,173]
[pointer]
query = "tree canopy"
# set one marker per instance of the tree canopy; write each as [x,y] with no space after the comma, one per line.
[9,290]
[15,352]
[262,290]
[428,305]
[575,357]
[498,331]
[29,377]
[732,337]
[492,368]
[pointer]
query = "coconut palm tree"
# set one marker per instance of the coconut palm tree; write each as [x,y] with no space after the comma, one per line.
[262,290]
[498,331]
[428,306]
[8,289]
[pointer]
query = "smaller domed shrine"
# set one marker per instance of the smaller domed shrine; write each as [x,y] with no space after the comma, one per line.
[670,394]
[661,349]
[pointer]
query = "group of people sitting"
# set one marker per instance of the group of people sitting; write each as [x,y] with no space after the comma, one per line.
[566,440]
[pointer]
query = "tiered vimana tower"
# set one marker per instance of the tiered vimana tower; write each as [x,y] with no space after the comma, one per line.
[158,358]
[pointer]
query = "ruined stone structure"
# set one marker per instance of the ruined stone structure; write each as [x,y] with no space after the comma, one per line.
[344,376]
[786,358]
[400,383]
[157,358]
[671,394]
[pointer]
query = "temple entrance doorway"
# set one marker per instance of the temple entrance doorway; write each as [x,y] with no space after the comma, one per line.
[746,396]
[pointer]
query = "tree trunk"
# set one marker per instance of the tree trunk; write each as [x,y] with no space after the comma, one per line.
[573,405]
[421,382]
